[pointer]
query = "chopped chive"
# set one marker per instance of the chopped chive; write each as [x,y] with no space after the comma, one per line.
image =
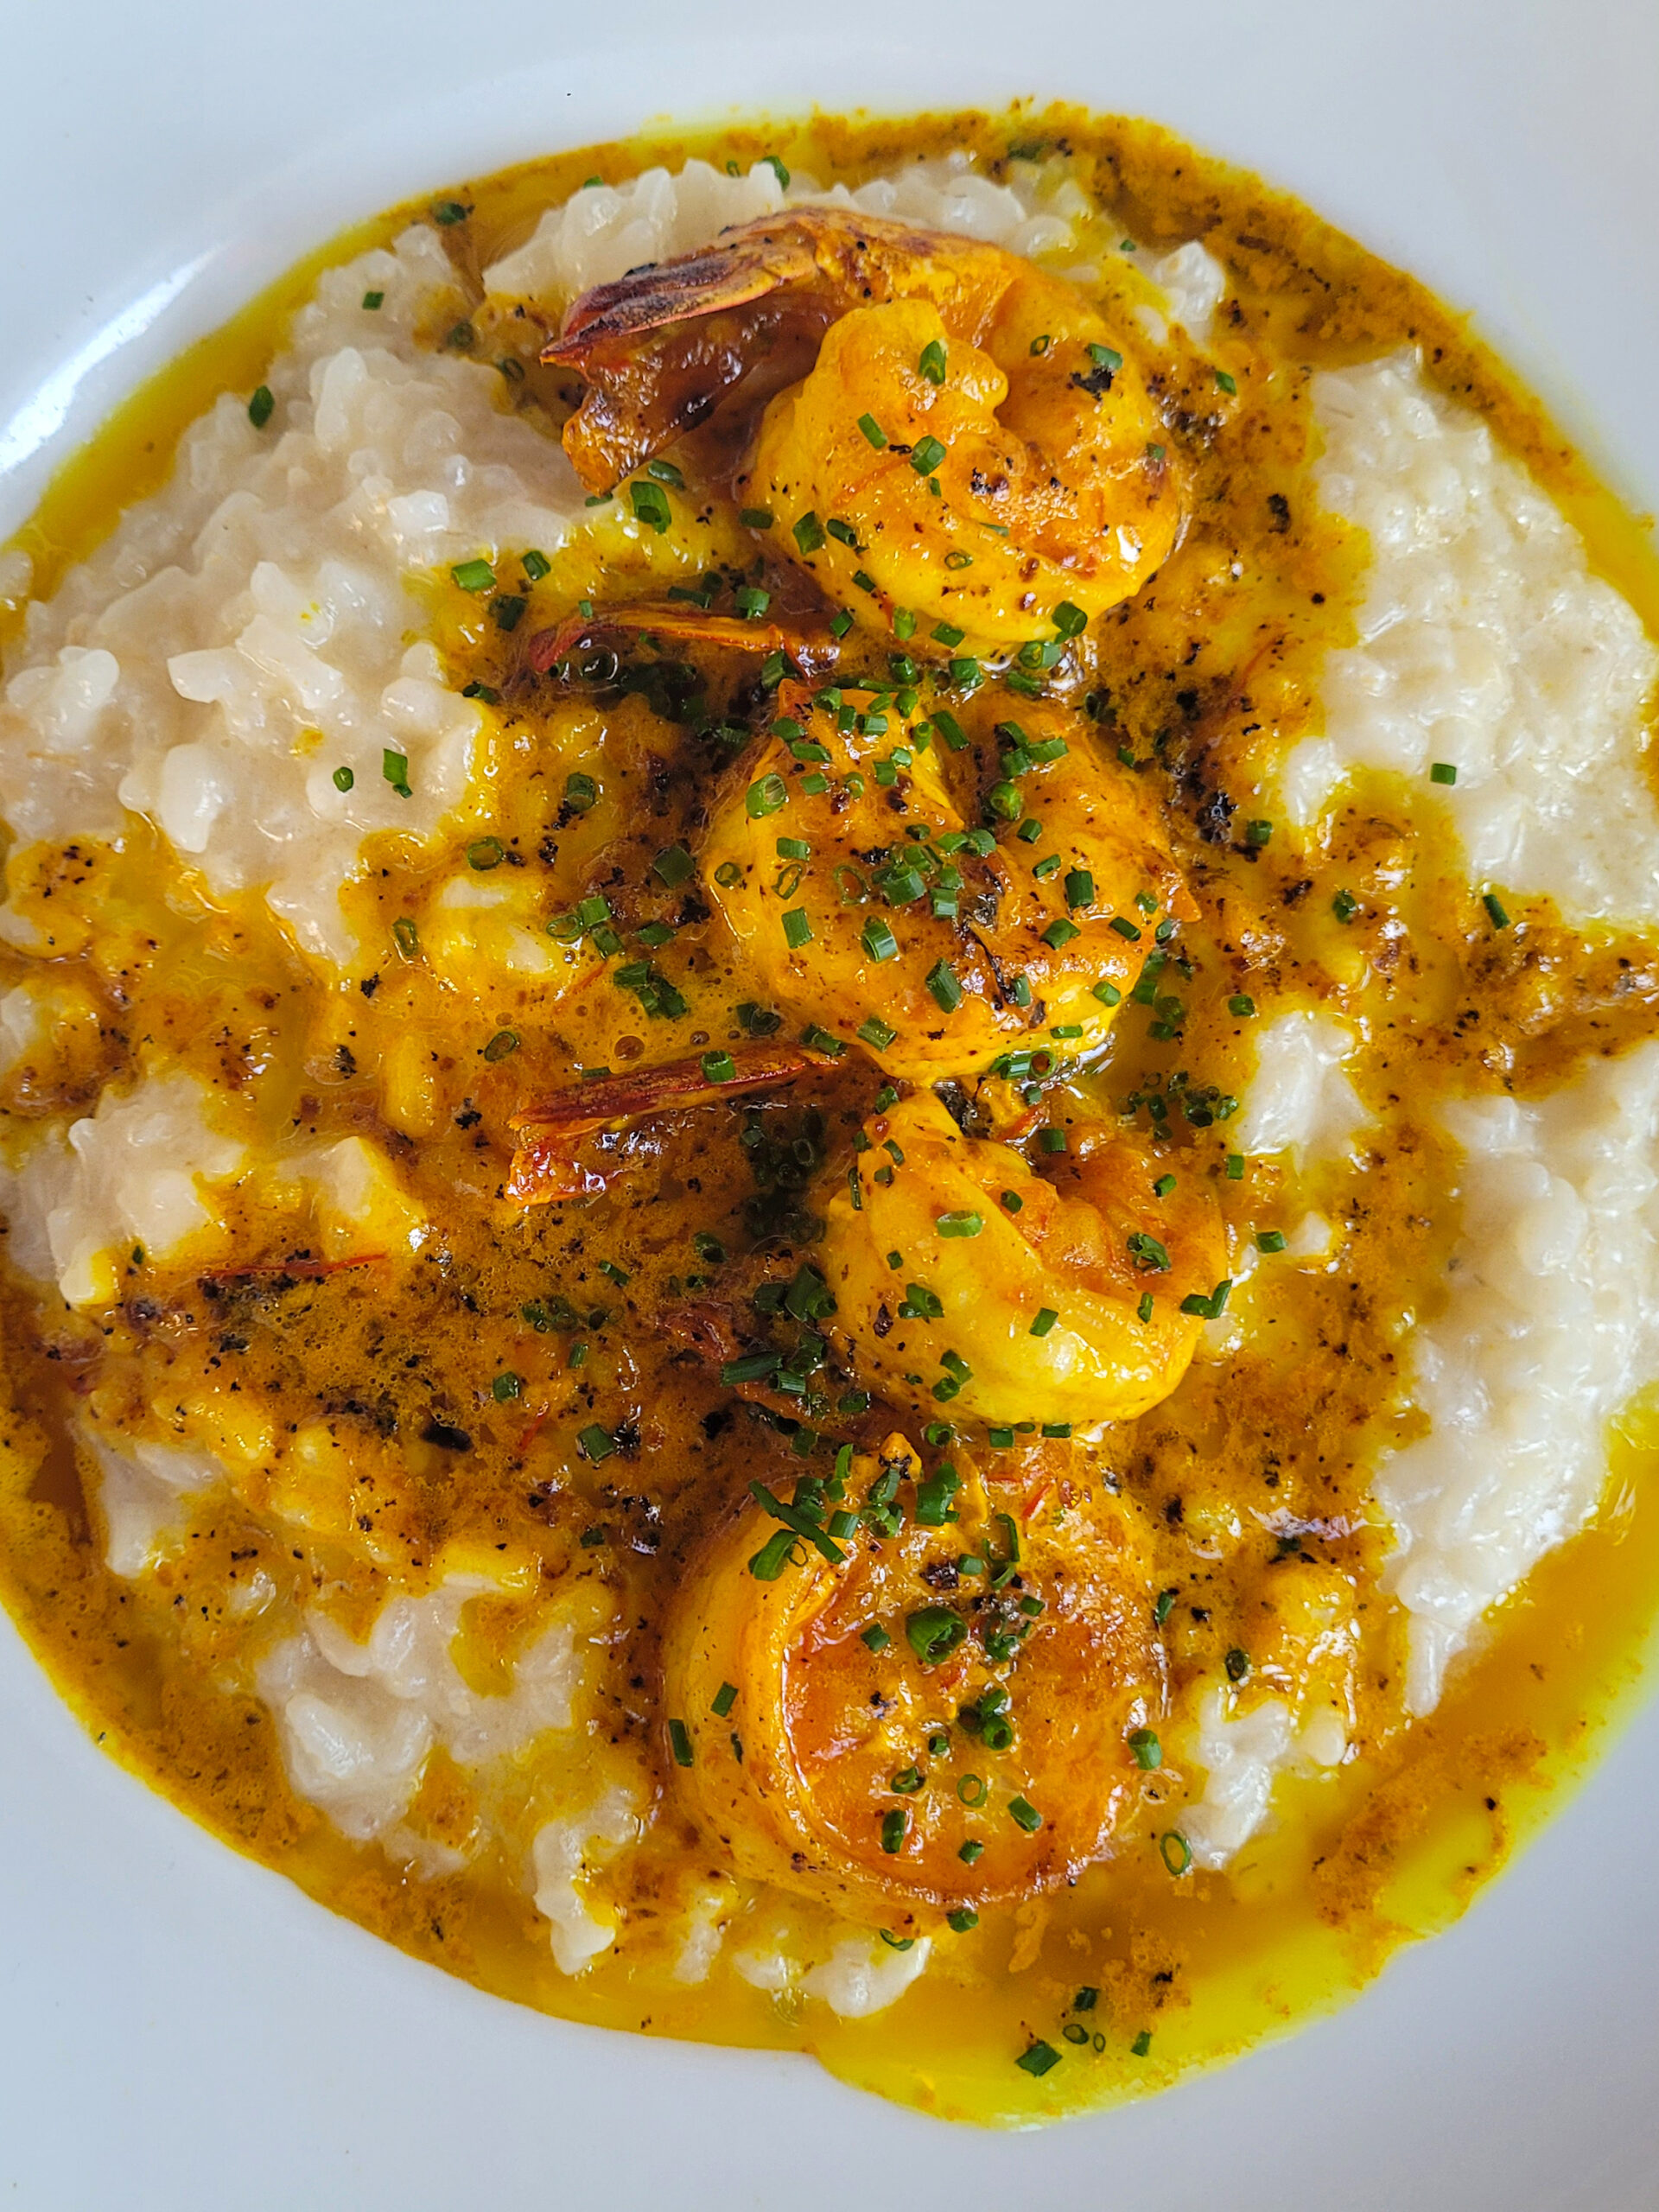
[1142,2042]
[1146,1252]
[1059,934]
[879,940]
[1148,1752]
[344,779]
[501,1047]
[719,1067]
[1494,907]
[535,565]
[942,982]
[260,407]
[1269,1240]
[1177,1854]
[876,1033]
[373,300]
[876,1637]
[394,766]
[959,1224]
[768,795]
[934,1632]
[893,1825]
[473,576]
[1241,1004]
[1125,929]
[1227,383]
[672,866]
[651,506]
[1045,1320]
[596,1443]
[797,930]
[1024,1815]
[1344,905]
[873,431]
[1163,1186]
[931,363]
[807,533]
[1079,888]
[1258,833]
[1051,1140]
[1143,1307]
[1165,1606]
[927,455]
[1442,772]
[680,1737]
[446,211]
[963,1919]
[773,1556]
[1235,1168]
[1038,2058]
[1237,1665]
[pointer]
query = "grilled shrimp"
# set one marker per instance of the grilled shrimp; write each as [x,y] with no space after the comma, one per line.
[961,1275]
[861,1711]
[848,857]
[956,436]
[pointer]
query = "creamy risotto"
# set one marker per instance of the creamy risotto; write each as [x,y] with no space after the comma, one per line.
[830,1098]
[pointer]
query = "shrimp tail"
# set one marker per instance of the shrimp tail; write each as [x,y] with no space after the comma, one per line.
[813,651]
[605,324]
[660,348]
[545,1168]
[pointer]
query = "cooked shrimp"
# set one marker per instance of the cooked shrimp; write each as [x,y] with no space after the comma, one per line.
[889,1709]
[1018,1297]
[970,445]
[852,865]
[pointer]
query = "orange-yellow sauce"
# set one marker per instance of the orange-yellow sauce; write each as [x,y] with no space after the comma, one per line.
[1202,1966]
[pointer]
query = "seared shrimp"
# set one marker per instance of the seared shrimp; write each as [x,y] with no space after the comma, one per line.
[962,1275]
[873,902]
[971,447]
[891,1710]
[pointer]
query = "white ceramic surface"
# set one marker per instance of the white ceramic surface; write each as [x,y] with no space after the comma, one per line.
[179,2028]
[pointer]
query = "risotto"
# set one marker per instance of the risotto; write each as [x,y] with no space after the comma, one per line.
[830,1098]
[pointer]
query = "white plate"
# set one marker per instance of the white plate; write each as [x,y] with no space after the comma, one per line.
[179,2028]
